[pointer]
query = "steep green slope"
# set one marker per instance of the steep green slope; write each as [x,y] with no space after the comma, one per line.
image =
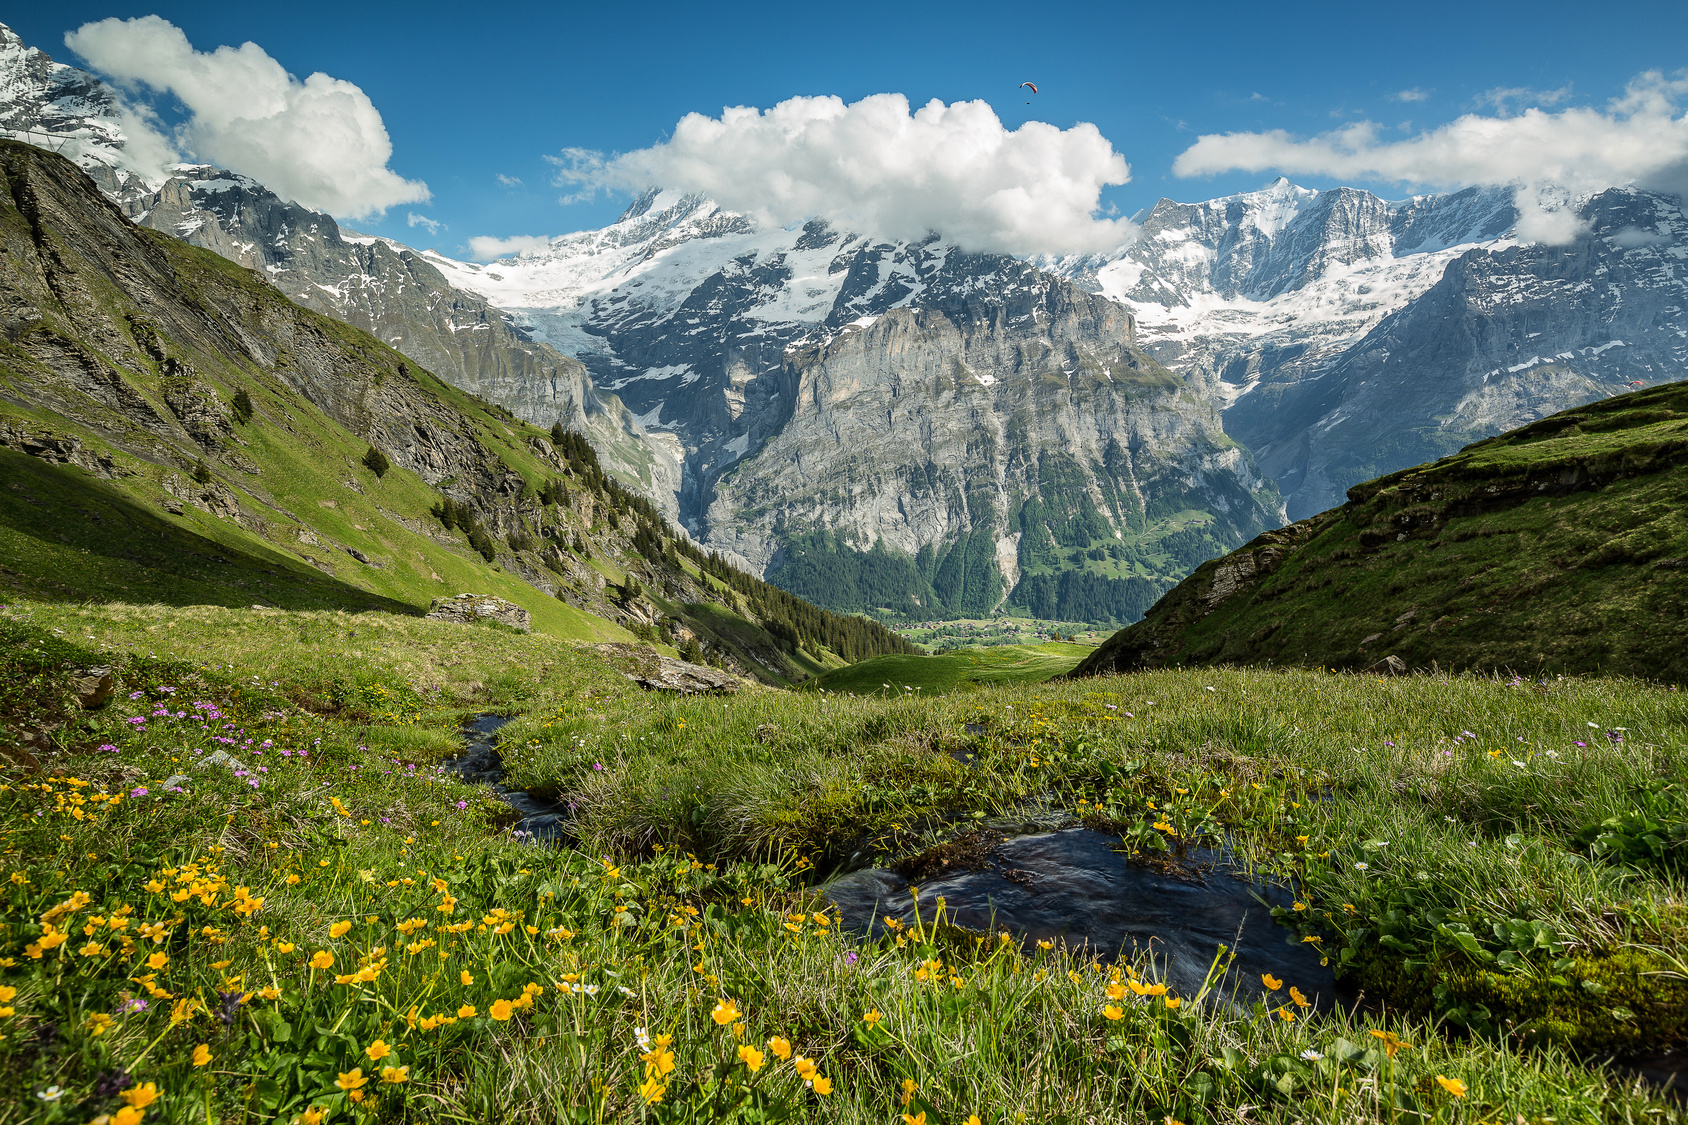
[1558,547]
[173,429]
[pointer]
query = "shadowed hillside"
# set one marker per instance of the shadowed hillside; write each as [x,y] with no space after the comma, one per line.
[173,429]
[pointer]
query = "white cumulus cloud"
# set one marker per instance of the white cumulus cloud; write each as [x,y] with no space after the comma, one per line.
[485,248]
[1638,139]
[434,226]
[320,142]
[874,167]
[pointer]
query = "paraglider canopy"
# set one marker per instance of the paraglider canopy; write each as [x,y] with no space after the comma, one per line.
[1029,86]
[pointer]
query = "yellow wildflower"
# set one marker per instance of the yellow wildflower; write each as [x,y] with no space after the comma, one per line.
[99,1023]
[353,1079]
[726,1011]
[821,1086]
[751,1058]
[322,959]
[500,1010]
[1391,1043]
[466,1012]
[395,1074]
[339,929]
[1271,982]
[780,1046]
[202,1054]
[378,1050]
[1452,1085]
[141,1096]
[1114,1012]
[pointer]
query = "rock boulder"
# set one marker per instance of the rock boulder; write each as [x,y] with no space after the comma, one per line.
[653,670]
[93,687]
[467,609]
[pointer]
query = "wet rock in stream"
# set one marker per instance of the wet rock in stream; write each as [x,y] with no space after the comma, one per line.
[1072,886]
[541,821]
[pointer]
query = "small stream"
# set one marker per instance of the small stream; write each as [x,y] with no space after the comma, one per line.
[540,821]
[1070,886]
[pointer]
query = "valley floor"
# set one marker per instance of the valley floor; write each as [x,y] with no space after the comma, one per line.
[245,889]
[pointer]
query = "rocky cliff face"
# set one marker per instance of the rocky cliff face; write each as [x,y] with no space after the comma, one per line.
[393,293]
[980,420]
[1033,424]
[70,112]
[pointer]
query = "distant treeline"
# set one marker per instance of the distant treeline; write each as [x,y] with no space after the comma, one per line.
[961,580]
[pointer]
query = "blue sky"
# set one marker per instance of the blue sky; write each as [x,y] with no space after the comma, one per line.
[471,93]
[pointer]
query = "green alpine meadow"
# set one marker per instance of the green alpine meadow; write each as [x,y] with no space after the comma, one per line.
[325,924]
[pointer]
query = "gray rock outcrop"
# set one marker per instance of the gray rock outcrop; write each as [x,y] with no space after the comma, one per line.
[468,609]
[664,673]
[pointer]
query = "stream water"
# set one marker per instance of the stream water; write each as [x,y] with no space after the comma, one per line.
[539,821]
[1073,887]
[1069,886]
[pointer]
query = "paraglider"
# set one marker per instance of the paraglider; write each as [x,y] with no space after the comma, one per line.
[1032,86]
[1637,383]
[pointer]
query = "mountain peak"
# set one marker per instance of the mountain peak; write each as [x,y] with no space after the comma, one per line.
[69,111]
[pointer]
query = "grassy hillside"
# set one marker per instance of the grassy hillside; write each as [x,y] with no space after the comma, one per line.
[174,430]
[1561,547]
[953,671]
[334,930]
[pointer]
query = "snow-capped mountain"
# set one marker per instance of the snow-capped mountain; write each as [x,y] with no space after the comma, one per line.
[1263,286]
[1349,336]
[1281,307]
[1506,335]
[906,395]
[69,111]
[1042,433]
[381,286]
